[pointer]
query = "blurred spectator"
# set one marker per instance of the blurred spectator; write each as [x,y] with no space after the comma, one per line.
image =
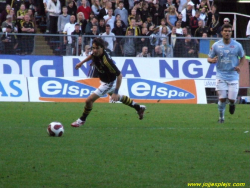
[8,22]
[118,18]
[204,35]
[144,11]
[9,41]
[118,31]
[163,34]
[184,31]
[32,18]
[201,29]
[179,18]
[135,29]
[202,5]
[144,52]
[89,25]
[172,37]
[182,4]
[82,21]
[203,15]
[187,13]
[109,19]
[54,9]
[248,30]
[63,19]
[143,41]
[96,8]
[45,3]
[136,17]
[87,51]
[78,32]
[15,4]
[86,10]
[20,16]
[72,8]
[149,21]
[158,52]
[5,12]
[104,10]
[210,3]
[79,3]
[166,49]
[109,37]
[211,12]
[172,16]
[128,45]
[179,28]
[167,5]
[2,5]
[194,22]
[120,10]
[68,29]
[214,26]
[27,41]
[157,14]
[94,32]
[103,3]
[102,26]
[189,48]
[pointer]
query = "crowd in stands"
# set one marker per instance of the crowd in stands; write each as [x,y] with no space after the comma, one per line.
[156,25]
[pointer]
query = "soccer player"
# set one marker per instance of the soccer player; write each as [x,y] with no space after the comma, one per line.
[111,79]
[225,54]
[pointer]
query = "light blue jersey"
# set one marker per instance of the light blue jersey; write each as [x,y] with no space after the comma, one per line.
[227,59]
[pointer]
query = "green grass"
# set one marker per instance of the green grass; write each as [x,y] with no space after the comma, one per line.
[174,145]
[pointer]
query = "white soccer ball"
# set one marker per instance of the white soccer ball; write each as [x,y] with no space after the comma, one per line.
[55,129]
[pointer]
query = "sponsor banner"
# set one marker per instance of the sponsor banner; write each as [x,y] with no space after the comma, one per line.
[48,89]
[152,68]
[13,88]
[168,91]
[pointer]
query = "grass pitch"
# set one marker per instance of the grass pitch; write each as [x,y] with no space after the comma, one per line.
[174,145]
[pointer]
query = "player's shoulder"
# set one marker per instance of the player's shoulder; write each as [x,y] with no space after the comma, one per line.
[234,42]
[106,54]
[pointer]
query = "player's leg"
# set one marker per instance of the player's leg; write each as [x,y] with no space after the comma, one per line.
[233,89]
[87,109]
[139,108]
[127,101]
[221,87]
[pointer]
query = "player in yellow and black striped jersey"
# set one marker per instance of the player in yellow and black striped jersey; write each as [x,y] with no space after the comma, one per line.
[111,79]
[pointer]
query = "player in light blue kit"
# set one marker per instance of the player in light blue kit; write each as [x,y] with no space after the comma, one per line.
[225,54]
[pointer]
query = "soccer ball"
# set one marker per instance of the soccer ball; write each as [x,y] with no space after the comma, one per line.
[55,129]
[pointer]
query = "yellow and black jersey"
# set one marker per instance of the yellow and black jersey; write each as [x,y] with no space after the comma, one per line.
[27,25]
[106,68]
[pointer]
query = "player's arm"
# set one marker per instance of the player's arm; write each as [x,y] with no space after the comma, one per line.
[78,65]
[115,96]
[212,60]
[242,61]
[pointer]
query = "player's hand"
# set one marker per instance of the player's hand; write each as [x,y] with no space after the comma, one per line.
[237,69]
[214,60]
[115,97]
[78,65]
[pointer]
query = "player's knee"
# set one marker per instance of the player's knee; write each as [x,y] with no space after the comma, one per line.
[223,100]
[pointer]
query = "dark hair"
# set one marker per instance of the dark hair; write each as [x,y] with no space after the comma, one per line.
[98,42]
[108,25]
[226,26]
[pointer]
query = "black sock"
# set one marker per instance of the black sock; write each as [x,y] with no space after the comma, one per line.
[126,100]
[85,113]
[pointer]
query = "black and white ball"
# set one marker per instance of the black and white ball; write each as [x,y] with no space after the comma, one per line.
[55,129]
